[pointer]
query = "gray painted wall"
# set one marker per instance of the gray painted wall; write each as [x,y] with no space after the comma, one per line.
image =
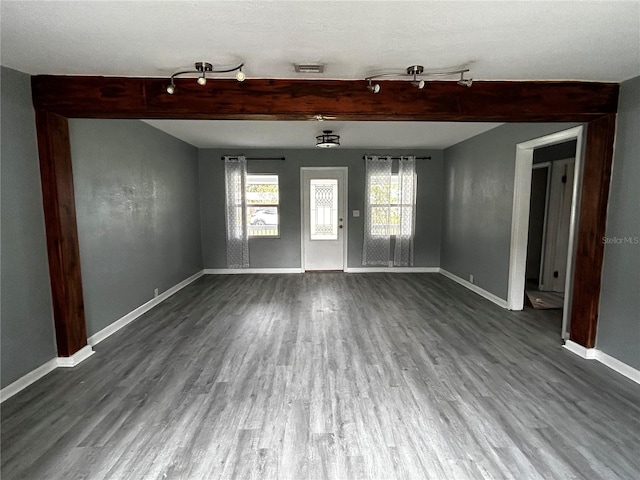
[619,319]
[138,214]
[478,201]
[26,317]
[284,252]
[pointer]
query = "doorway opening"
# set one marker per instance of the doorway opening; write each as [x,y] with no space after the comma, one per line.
[554,254]
[549,219]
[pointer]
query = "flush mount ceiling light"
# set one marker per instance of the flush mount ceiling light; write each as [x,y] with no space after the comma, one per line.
[416,75]
[202,69]
[328,139]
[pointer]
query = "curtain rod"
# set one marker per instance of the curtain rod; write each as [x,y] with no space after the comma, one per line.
[253,158]
[364,157]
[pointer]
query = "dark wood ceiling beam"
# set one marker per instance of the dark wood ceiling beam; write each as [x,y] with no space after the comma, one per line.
[59,97]
[111,97]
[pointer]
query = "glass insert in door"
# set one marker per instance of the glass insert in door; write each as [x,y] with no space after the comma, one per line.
[323,203]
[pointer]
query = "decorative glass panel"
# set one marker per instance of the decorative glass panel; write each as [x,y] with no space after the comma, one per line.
[323,202]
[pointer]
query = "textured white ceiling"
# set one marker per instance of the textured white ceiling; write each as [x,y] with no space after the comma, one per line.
[515,40]
[281,134]
[595,40]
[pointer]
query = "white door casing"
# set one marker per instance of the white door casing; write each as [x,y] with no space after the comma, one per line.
[520,219]
[324,218]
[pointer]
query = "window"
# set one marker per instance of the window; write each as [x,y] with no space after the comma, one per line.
[390,206]
[263,201]
[387,207]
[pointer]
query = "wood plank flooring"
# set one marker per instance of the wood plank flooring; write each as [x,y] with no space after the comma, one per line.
[327,376]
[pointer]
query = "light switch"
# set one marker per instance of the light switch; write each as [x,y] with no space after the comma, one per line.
[356,213]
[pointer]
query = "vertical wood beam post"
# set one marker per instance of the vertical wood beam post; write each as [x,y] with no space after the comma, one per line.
[591,228]
[62,236]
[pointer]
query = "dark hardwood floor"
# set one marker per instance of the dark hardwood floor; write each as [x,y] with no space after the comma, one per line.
[373,376]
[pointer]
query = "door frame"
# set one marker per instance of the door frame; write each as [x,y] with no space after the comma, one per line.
[345,193]
[540,166]
[552,216]
[520,219]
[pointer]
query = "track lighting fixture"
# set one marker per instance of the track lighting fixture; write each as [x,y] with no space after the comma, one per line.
[204,68]
[416,74]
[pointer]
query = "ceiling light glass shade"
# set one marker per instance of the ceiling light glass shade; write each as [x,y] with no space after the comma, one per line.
[327,140]
[202,80]
[240,76]
[171,89]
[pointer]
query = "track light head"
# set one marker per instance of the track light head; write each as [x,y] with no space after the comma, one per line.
[171,88]
[240,76]
[464,82]
[419,84]
[375,88]
[202,80]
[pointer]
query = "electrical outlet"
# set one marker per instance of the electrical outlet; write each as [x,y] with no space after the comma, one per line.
[155,293]
[471,277]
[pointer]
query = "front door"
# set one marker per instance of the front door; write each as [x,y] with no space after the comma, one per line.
[324,219]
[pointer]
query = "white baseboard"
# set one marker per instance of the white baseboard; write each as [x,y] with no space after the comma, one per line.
[573,347]
[620,367]
[35,375]
[87,351]
[392,270]
[240,271]
[476,289]
[82,354]
[144,308]
[26,380]
[611,362]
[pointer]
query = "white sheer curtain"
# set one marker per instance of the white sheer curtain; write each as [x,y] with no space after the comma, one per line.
[377,241]
[389,212]
[235,171]
[403,251]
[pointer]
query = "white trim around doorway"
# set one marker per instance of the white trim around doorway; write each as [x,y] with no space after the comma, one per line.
[520,218]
